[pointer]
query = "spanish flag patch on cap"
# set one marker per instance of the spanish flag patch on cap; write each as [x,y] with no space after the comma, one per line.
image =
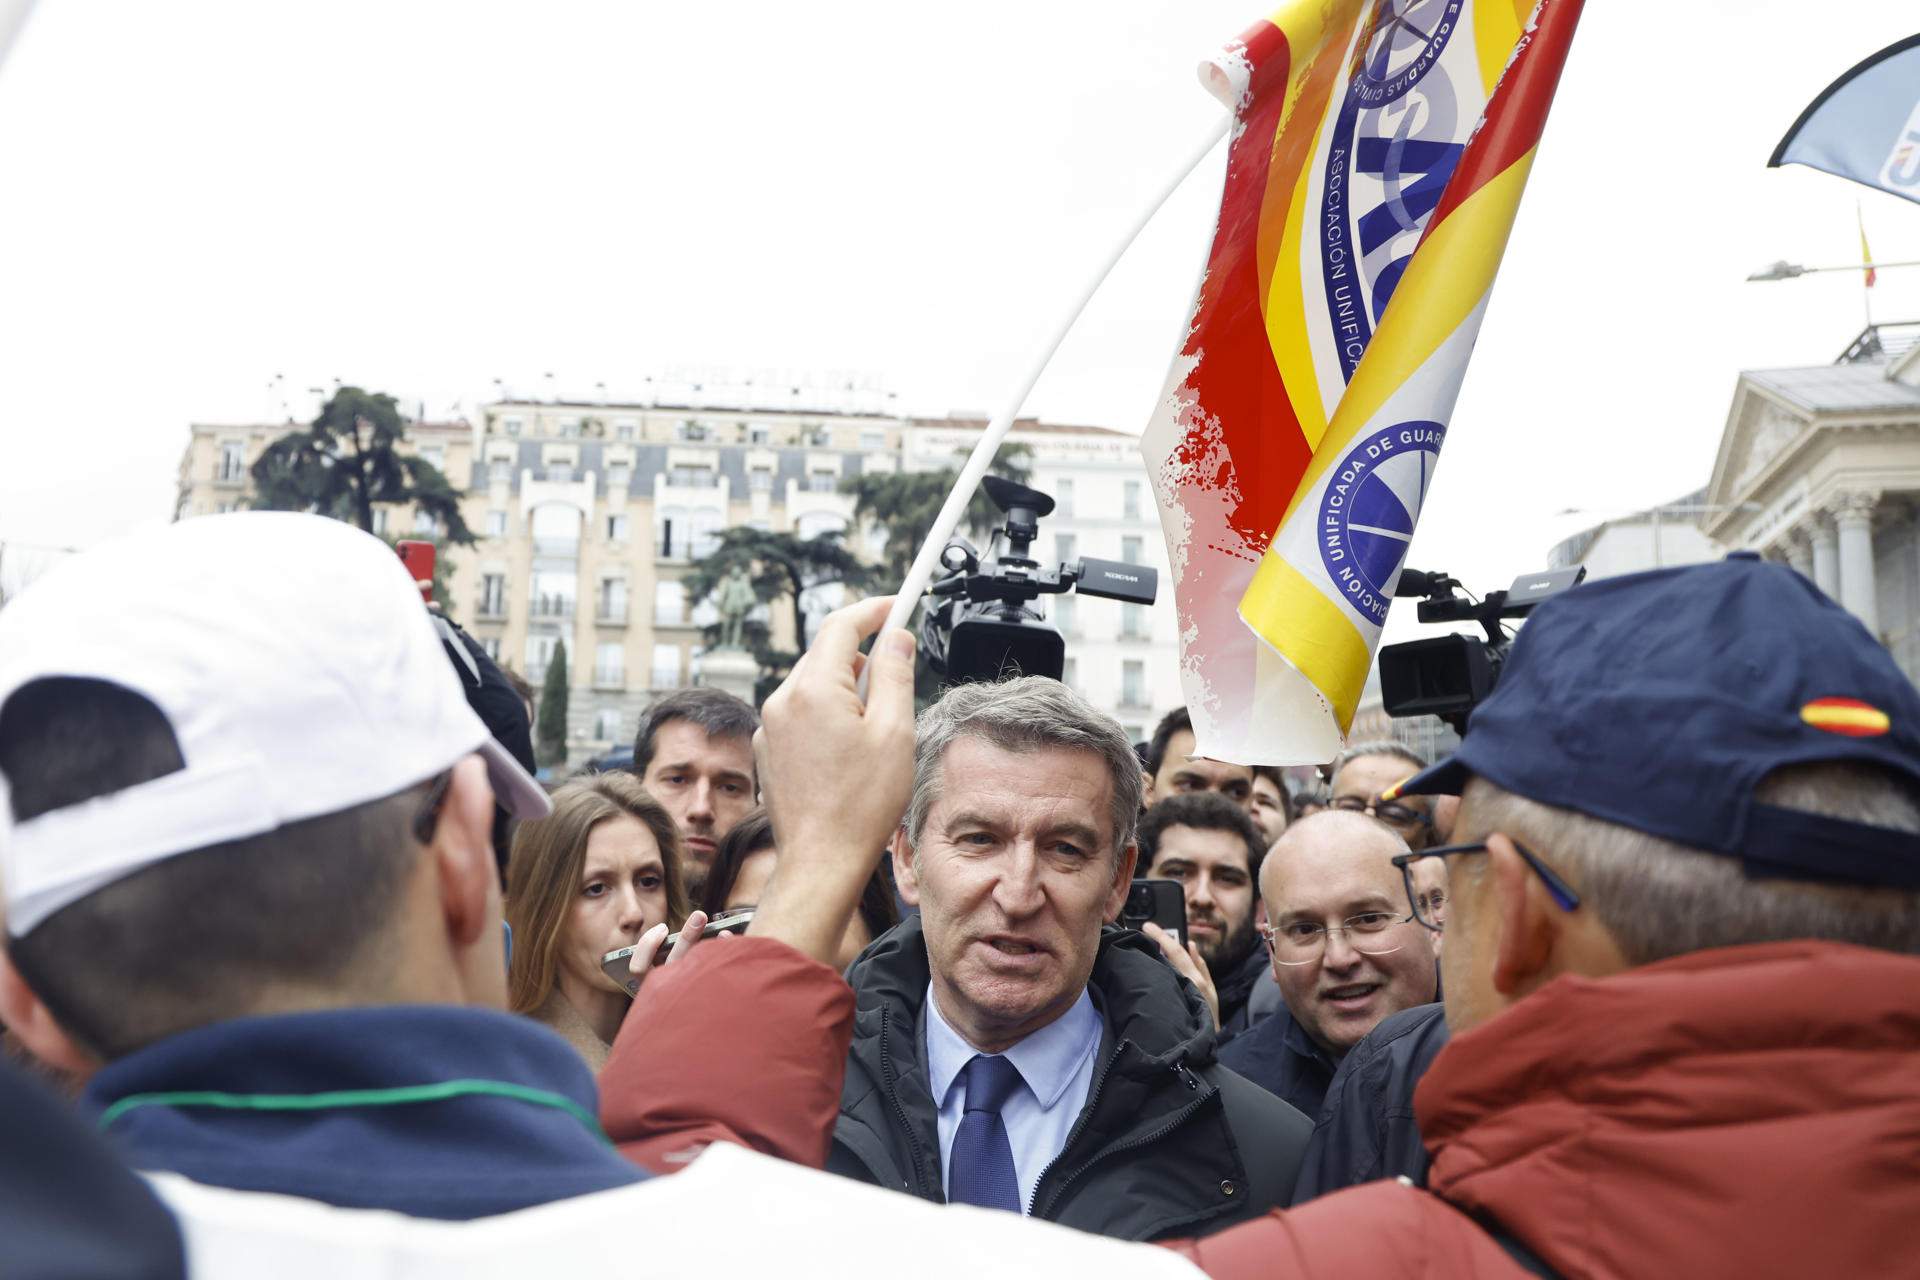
[1848,716]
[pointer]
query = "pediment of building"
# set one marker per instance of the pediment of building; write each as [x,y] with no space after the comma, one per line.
[1760,428]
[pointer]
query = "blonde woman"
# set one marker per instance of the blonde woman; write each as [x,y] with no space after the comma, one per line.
[598,873]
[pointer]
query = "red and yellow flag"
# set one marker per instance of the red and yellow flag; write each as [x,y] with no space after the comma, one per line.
[1380,151]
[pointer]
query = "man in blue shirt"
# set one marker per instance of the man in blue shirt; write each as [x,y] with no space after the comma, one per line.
[1011,1051]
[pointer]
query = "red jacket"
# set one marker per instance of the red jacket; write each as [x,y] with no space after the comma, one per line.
[1752,1111]
[743,1041]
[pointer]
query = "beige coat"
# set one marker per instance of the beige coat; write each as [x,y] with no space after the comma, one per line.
[558,1012]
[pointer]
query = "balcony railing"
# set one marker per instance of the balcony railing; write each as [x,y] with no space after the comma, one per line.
[558,548]
[491,609]
[611,616]
[551,607]
[609,677]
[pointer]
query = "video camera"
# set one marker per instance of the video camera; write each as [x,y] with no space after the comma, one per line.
[980,623]
[1447,676]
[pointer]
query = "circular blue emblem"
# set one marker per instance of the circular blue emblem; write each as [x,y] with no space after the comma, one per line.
[1369,508]
[1402,42]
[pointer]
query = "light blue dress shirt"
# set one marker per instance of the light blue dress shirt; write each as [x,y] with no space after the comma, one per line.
[1056,1071]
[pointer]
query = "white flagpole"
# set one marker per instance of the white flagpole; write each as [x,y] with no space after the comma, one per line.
[949,518]
[13,16]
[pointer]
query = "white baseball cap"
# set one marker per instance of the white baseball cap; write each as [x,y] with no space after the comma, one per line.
[296,664]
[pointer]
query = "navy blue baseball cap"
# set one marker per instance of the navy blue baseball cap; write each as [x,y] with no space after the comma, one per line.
[1658,701]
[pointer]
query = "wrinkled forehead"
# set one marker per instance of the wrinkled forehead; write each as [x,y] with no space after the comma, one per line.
[1368,776]
[1027,787]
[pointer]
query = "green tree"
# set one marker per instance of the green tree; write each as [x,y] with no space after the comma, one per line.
[550,729]
[780,566]
[904,505]
[349,461]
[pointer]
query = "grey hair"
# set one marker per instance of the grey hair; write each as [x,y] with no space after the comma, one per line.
[1660,899]
[1030,713]
[1382,747]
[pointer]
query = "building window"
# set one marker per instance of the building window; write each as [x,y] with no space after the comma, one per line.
[380,520]
[496,524]
[423,523]
[1130,549]
[1130,500]
[610,665]
[500,471]
[760,480]
[1133,622]
[619,476]
[560,472]
[759,433]
[434,456]
[233,462]
[1070,673]
[669,605]
[822,482]
[691,430]
[1066,547]
[490,645]
[613,599]
[666,667]
[707,527]
[617,528]
[623,428]
[1066,615]
[553,593]
[569,428]
[1133,683]
[1063,497]
[871,441]
[539,654]
[691,477]
[493,596]
[606,725]
[511,426]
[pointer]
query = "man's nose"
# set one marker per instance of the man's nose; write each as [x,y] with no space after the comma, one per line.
[1341,954]
[1200,893]
[1016,886]
[700,808]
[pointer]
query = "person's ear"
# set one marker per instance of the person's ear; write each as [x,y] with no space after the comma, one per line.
[1526,919]
[1122,880]
[905,881]
[462,852]
[33,1025]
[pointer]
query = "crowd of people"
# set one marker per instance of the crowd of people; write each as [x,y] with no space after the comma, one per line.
[1626,986]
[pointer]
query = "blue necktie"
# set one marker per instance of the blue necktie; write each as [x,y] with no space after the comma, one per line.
[982,1170]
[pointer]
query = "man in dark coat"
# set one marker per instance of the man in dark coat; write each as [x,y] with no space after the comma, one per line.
[1367,1130]
[1008,1050]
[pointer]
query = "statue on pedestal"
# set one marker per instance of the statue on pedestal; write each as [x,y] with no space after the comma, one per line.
[734,600]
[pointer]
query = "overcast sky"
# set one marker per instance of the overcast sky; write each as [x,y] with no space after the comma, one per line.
[424,197]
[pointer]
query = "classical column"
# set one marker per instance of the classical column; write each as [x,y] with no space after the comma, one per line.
[1799,553]
[1826,555]
[1853,515]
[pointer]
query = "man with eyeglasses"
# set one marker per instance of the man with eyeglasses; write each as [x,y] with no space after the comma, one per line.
[1346,951]
[1364,772]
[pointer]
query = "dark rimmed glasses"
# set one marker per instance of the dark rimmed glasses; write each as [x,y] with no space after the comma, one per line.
[1387,811]
[1562,893]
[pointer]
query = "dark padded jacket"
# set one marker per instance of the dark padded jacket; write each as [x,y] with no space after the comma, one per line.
[1169,1143]
[1366,1129]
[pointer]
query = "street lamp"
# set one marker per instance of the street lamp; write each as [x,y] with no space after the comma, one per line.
[1784,270]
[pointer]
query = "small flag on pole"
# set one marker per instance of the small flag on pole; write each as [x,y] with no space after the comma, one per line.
[1866,254]
[1297,436]
[1865,125]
